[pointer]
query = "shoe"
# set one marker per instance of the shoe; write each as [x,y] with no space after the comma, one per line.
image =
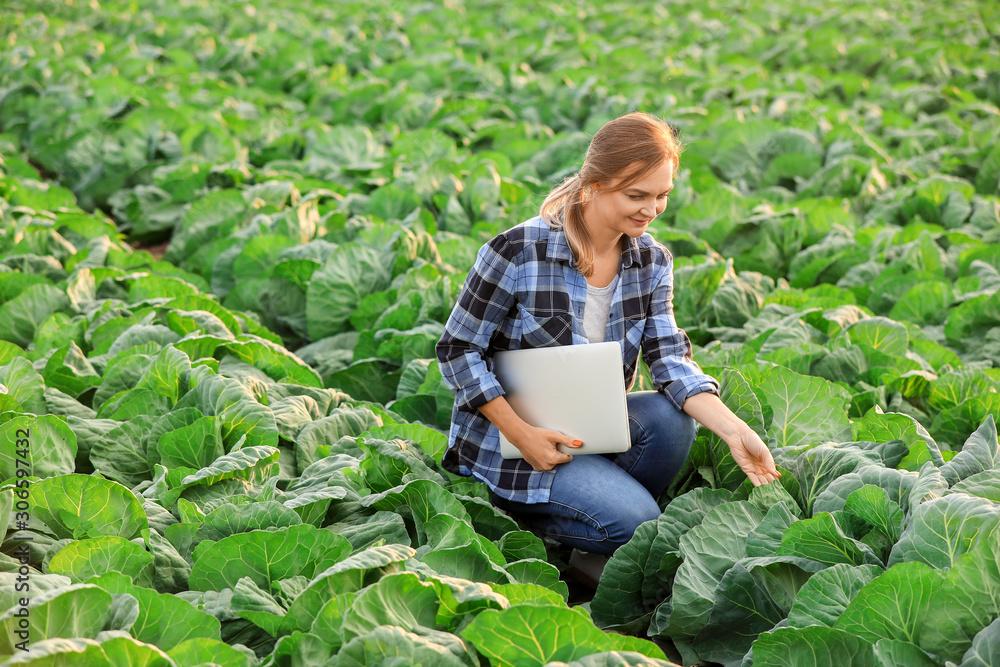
[587,567]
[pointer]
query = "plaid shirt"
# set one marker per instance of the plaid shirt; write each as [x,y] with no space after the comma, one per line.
[525,291]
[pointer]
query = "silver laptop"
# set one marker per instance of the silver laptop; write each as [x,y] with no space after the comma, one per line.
[578,390]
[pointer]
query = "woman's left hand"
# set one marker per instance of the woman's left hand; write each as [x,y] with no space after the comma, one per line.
[748,450]
[753,456]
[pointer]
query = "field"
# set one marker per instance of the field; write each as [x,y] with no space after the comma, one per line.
[230,234]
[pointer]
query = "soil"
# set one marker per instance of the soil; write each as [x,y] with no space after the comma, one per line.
[157,250]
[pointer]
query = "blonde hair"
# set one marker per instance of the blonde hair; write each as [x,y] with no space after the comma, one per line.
[626,148]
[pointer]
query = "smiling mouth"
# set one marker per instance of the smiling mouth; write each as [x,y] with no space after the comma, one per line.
[639,222]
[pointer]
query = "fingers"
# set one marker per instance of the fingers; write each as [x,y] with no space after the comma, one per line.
[558,438]
[551,456]
[550,461]
[760,472]
[755,459]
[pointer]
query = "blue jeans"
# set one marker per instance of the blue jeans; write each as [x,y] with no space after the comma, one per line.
[597,501]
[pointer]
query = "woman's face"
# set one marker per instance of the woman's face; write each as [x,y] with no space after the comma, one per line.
[612,212]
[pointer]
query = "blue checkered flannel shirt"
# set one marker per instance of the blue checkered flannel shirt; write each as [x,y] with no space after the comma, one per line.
[525,291]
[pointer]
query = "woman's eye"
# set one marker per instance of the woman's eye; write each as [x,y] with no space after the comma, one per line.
[635,197]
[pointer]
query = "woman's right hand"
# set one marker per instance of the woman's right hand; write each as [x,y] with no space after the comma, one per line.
[539,447]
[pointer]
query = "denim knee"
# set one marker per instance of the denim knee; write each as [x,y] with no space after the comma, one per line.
[630,514]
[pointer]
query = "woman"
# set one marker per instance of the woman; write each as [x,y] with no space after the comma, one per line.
[585,270]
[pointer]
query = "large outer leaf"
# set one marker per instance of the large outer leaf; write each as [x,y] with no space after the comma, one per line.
[881,334]
[821,539]
[445,531]
[351,272]
[41,583]
[486,518]
[967,602]
[431,441]
[942,529]
[879,426]
[980,453]
[23,384]
[382,527]
[813,646]
[274,360]
[240,413]
[897,653]
[194,445]
[709,550]
[400,599]
[208,650]
[20,316]
[620,658]
[251,465]
[805,410]
[267,556]
[164,375]
[537,572]
[83,559]
[424,498]
[636,579]
[981,485]
[79,610]
[45,443]
[924,303]
[533,636]
[823,598]
[347,576]
[895,605]
[474,560]
[985,649]
[393,645]
[231,519]
[78,506]
[752,597]
[951,388]
[164,620]
[896,483]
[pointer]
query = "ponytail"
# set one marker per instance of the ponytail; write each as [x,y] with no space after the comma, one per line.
[563,209]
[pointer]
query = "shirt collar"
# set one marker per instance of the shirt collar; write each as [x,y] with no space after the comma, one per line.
[558,249]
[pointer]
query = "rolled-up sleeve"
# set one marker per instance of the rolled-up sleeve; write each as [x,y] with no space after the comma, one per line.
[666,349]
[485,299]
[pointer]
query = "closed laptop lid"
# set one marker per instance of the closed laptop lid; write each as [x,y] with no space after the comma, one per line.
[578,390]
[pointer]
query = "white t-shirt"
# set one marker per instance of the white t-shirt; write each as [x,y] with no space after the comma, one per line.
[595,313]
